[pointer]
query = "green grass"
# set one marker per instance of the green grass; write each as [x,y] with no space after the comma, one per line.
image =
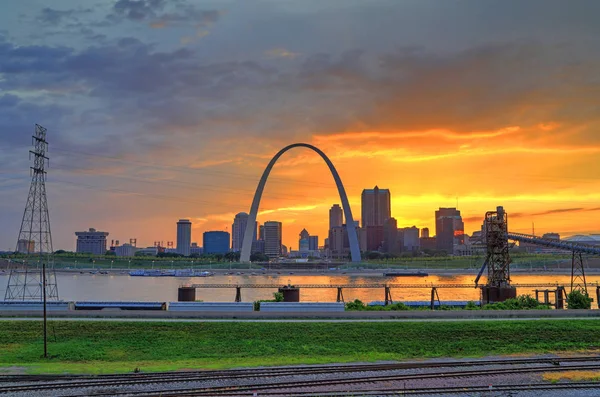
[103,346]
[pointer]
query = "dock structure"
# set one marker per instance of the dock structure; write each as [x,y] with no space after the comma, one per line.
[387,288]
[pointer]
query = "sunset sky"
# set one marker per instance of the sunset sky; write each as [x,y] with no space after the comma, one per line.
[158,110]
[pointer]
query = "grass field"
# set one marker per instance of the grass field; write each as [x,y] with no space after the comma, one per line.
[102,347]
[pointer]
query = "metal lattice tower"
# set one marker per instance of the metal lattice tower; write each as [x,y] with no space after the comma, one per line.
[35,239]
[578,273]
[498,257]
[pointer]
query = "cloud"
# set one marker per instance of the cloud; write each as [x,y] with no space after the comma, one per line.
[51,16]
[281,53]
[138,10]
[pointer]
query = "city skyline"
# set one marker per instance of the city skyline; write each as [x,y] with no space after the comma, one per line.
[444,110]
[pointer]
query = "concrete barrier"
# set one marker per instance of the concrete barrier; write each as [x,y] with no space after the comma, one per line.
[211,306]
[119,305]
[303,307]
[52,306]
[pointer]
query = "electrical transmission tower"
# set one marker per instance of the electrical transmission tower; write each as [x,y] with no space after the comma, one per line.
[27,279]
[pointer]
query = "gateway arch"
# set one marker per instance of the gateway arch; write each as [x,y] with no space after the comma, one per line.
[249,233]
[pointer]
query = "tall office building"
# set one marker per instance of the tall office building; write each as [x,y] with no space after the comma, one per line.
[215,242]
[375,210]
[303,243]
[390,237]
[313,243]
[410,238]
[91,242]
[449,229]
[375,206]
[336,216]
[238,229]
[184,237]
[425,232]
[272,238]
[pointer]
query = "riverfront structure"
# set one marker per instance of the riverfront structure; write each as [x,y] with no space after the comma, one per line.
[91,242]
[184,237]
[353,238]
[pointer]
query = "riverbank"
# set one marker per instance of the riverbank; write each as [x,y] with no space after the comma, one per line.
[338,272]
[105,347]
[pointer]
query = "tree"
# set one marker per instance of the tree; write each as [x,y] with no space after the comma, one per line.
[578,300]
[110,253]
[258,257]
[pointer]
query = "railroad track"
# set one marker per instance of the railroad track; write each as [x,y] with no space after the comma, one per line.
[280,371]
[446,390]
[113,381]
[289,386]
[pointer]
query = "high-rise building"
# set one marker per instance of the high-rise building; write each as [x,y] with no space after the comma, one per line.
[272,238]
[375,210]
[449,229]
[261,232]
[313,243]
[184,237]
[375,206]
[91,242]
[215,242]
[303,243]
[238,229]
[338,243]
[410,238]
[425,232]
[336,216]
[390,237]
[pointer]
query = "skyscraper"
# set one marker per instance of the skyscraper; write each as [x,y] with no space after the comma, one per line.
[375,210]
[336,216]
[184,237]
[238,228]
[449,229]
[313,243]
[303,244]
[375,206]
[272,238]
[215,242]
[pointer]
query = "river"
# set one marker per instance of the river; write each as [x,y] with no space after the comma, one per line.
[122,287]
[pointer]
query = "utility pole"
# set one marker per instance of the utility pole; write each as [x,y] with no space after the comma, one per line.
[45,311]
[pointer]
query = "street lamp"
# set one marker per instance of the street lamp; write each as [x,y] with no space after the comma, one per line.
[171,264]
[128,264]
[152,264]
[111,264]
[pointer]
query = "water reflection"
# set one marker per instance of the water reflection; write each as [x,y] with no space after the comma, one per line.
[97,287]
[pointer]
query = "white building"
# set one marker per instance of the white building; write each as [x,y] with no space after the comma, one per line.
[91,242]
[184,237]
[125,250]
[148,251]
